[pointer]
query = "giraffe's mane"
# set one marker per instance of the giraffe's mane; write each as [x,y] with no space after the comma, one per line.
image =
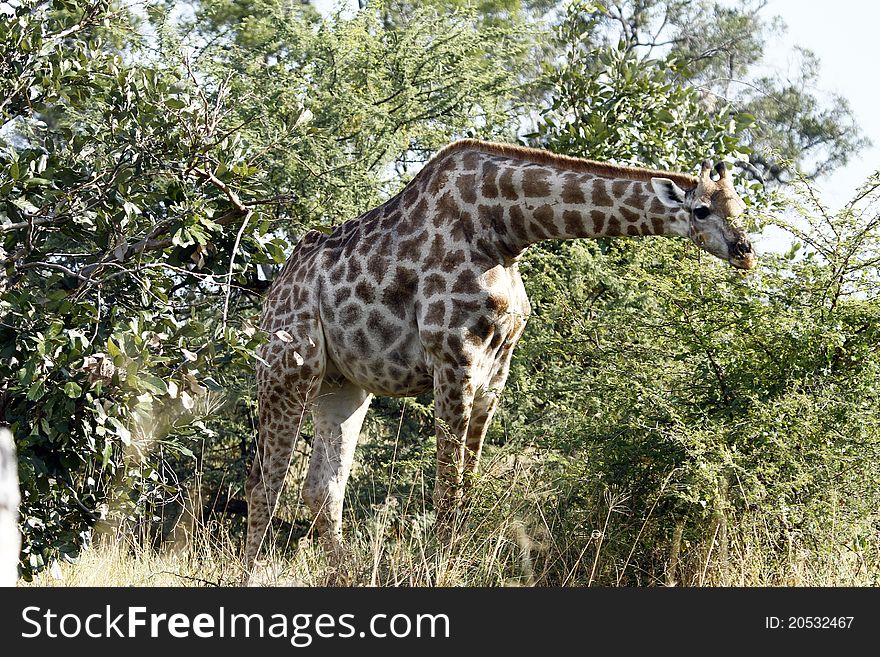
[540,156]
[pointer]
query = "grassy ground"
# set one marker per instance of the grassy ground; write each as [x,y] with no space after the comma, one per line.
[502,559]
[521,532]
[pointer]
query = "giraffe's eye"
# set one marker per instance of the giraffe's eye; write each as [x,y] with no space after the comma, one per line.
[702,212]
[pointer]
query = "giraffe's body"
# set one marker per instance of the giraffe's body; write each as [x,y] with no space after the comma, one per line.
[424,293]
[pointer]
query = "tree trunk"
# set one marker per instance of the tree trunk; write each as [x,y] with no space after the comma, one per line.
[10,541]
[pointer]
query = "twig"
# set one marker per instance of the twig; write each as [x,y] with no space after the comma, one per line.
[43,221]
[189,577]
[222,186]
[645,524]
[272,200]
[52,265]
[244,224]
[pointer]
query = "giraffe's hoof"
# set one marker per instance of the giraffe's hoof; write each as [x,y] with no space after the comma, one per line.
[340,577]
[259,574]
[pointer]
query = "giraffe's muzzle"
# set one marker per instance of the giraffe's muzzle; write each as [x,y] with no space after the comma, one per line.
[741,254]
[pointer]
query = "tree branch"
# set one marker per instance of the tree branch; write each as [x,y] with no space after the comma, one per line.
[223,187]
[52,265]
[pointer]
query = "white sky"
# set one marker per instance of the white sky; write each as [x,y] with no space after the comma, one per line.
[843,34]
[326,6]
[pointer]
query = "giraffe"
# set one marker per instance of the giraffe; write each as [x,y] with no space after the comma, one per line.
[424,293]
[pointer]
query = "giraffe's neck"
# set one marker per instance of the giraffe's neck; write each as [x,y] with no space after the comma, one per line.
[525,201]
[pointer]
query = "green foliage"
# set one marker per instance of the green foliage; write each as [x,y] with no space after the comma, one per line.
[698,394]
[612,104]
[373,96]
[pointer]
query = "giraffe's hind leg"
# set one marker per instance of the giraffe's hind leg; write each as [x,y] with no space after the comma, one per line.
[338,412]
[287,384]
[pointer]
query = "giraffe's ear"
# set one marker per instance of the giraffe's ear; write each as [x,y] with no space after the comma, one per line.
[670,194]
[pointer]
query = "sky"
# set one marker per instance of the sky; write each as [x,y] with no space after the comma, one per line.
[843,35]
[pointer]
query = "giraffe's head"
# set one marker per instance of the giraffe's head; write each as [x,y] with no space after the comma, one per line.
[711,210]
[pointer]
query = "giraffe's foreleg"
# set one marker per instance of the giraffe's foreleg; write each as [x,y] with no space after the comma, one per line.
[339,412]
[453,404]
[485,405]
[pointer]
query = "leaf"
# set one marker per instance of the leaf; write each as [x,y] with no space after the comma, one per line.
[305,117]
[153,384]
[121,431]
[120,250]
[131,210]
[276,251]
[284,336]
[212,384]
[244,170]
[745,120]
[106,453]
[25,205]
[182,237]
[112,349]
[72,389]
[35,391]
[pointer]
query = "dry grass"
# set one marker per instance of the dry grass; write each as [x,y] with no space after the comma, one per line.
[529,524]
[507,557]
[518,535]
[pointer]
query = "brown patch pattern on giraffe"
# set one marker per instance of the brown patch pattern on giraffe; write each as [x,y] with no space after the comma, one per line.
[600,194]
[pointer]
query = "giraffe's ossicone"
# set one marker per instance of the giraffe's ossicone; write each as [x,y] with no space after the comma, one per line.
[424,293]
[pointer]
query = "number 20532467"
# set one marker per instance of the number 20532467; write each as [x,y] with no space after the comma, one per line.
[808,622]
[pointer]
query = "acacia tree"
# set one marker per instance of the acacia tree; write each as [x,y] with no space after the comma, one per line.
[718,49]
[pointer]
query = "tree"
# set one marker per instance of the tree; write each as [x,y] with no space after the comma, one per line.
[155,171]
[717,48]
[684,403]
